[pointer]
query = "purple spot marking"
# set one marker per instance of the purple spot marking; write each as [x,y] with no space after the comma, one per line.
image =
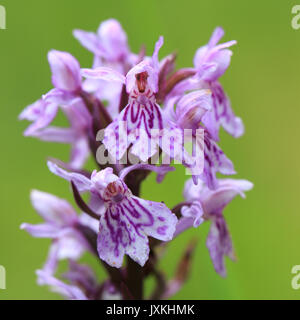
[162,230]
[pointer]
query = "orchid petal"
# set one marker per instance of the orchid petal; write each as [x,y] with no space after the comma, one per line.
[82,183]
[53,209]
[103,73]
[32,112]
[194,211]
[163,220]
[71,244]
[52,260]
[126,225]
[219,245]
[217,35]
[44,230]
[214,201]
[192,107]
[228,189]
[212,60]
[158,46]
[68,291]
[90,41]
[56,134]
[215,161]
[48,113]
[65,71]
[161,170]
[60,97]
[113,40]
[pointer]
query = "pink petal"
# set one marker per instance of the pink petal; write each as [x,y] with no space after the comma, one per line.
[90,41]
[68,291]
[53,209]
[113,40]
[155,59]
[217,35]
[44,230]
[65,71]
[215,161]
[33,111]
[163,221]
[55,134]
[48,113]
[125,226]
[103,73]
[215,201]
[81,182]
[219,245]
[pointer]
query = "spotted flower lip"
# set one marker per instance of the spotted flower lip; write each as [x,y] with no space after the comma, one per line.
[126,221]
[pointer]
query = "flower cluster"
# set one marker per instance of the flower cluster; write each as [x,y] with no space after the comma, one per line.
[133,102]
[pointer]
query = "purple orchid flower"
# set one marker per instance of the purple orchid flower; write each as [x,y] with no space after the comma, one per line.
[210,63]
[109,43]
[61,225]
[67,94]
[110,47]
[210,205]
[141,115]
[65,71]
[66,79]
[190,111]
[126,221]
[142,123]
[212,60]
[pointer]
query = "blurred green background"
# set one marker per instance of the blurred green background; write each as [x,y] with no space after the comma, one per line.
[263,84]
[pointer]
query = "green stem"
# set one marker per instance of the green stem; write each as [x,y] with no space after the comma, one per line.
[135,279]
